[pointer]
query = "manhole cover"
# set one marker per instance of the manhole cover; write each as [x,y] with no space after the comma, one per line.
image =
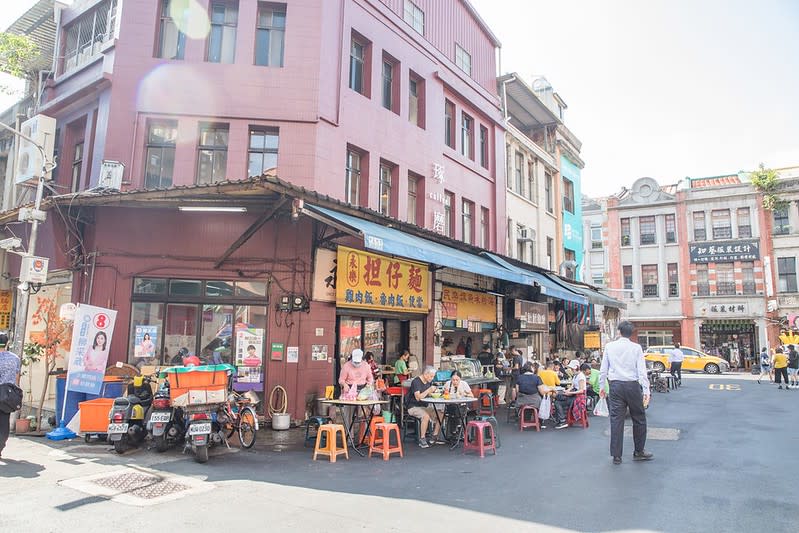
[653,433]
[140,485]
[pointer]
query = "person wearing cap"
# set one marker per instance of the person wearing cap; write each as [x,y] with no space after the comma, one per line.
[10,366]
[354,373]
[624,366]
[565,399]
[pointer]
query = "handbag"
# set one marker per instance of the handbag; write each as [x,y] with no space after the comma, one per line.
[601,408]
[545,409]
[10,398]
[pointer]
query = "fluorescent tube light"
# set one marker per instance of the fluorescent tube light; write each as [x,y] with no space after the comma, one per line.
[211,209]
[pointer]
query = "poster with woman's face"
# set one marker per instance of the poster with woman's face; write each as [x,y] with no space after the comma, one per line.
[145,341]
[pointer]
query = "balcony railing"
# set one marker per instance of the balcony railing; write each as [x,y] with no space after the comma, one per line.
[650,291]
[700,235]
[725,288]
[744,232]
[647,238]
[596,245]
[782,229]
[724,232]
[703,289]
[749,287]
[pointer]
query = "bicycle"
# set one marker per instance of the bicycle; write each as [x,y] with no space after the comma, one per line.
[237,415]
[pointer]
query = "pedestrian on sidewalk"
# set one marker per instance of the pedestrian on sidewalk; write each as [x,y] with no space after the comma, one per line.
[765,365]
[780,363]
[624,366]
[676,357]
[793,366]
[10,366]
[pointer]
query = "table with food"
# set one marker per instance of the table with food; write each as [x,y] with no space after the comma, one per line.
[457,416]
[362,412]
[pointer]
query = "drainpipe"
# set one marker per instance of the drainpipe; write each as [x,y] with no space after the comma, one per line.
[505,95]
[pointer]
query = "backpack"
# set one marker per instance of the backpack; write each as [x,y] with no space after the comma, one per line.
[765,360]
[10,398]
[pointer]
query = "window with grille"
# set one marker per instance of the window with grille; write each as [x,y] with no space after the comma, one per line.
[160,157]
[744,223]
[84,36]
[748,275]
[725,279]
[671,228]
[262,151]
[270,34]
[212,153]
[722,227]
[702,283]
[700,233]
[649,280]
[222,36]
[625,232]
[647,230]
[674,285]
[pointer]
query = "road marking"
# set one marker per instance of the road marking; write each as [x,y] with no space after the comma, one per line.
[724,386]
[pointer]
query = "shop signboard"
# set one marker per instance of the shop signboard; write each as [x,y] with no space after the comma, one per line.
[592,340]
[532,315]
[460,304]
[725,251]
[88,356]
[324,276]
[6,302]
[370,281]
[726,309]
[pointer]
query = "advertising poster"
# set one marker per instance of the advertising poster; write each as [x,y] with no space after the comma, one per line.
[146,339]
[91,339]
[249,354]
[293,354]
[319,352]
[277,351]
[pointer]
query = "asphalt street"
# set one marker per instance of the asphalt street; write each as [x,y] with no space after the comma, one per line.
[724,449]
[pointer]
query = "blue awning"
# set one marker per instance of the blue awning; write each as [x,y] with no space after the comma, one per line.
[548,286]
[395,242]
[593,296]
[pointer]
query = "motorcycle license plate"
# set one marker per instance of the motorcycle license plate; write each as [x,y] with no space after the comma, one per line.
[117,428]
[200,429]
[163,416]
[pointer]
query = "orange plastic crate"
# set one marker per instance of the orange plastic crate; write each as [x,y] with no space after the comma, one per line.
[94,415]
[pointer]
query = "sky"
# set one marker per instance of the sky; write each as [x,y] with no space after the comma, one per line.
[658,88]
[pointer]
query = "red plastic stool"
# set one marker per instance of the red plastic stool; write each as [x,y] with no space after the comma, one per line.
[475,437]
[382,444]
[583,420]
[533,422]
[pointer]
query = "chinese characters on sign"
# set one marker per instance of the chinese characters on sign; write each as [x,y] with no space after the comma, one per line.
[438,222]
[438,173]
[372,281]
[5,309]
[88,357]
[725,251]
[728,309]
[460,304]
[532,316]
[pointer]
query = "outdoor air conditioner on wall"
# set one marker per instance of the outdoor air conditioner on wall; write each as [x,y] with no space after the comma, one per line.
[40,129]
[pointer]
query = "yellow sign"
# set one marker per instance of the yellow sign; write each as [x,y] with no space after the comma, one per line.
[371,281]
[6,305]
[460,304]
[592,340]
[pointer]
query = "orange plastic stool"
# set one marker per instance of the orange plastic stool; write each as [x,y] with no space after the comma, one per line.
[478,441]
[375,420]
[533,422]
[583,420]
[331,431]
[384,444]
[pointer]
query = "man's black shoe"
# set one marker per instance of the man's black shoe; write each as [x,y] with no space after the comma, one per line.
[643,456]
[617,460]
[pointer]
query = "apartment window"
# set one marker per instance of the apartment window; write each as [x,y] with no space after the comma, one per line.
[352,177]
[463,60]
[646,226]
[171,41]
[484,225]
[700,233]
[674,285]
[416,100]
[550,249]
[390,89]
[649,280]
[384,188]
[748,275]
[725,279]
[781,225]
[449,124]
[671,228]
[467,136]
[222,37]
[160,154]
[467,221]
[521,243]
[414,16]
[568,196]
[413,195]
[702,283]
[531,187]
[596,237]
[449,201]
[359,64]
[744,223]
[548,191]
[270,34]
[518,173]
[786,267]
[722,227]
[84,36]
[484,147]
[212,153]
[77,166]
[569,255]
[626,239]
[262,151]
[627,275]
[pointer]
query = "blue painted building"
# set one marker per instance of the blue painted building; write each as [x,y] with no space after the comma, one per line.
[572,212]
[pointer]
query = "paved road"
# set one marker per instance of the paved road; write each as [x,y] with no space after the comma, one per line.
[727,470]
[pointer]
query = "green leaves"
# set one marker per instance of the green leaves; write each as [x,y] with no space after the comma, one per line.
[17,54]
[766,181]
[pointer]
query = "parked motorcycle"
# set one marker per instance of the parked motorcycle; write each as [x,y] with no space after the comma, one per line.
[127,417]
[167,425]
[202,432]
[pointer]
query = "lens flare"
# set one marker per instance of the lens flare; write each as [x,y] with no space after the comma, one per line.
[190,18]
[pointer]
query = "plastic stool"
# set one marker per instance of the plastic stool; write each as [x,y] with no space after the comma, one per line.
[486,402]
[382,444]
[583,420]
[375,420]
[330,431]
[533,422]
[479,442]
[316,422]
[493,421]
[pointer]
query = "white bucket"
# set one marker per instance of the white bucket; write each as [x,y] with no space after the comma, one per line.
[281,421]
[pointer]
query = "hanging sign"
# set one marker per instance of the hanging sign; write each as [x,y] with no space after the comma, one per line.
[592,340]
[91,340]
[6,302]
[460,304]
[531,315]
[365,280]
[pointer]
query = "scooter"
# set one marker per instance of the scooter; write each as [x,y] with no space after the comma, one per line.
[202,432]
[167,425]
[127,417]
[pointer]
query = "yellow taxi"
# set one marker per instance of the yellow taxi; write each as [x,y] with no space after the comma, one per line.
[695,360]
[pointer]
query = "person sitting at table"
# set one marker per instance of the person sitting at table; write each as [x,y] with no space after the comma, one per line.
[422,387]
[401,367]
[565,399]
[530,388]
[549,376]
[593,387]
[456,387]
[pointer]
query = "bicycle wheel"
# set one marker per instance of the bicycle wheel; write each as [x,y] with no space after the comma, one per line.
[246,427]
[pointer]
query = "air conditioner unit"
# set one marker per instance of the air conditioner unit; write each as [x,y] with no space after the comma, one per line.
[111,175]
[40,129]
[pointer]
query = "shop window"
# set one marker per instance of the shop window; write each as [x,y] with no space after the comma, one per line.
[146,327]
[655,338]
[185,287]
[149,286]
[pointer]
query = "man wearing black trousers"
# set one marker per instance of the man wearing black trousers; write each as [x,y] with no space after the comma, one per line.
[623,365]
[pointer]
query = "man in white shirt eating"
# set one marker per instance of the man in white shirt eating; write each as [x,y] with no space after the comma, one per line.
[623,365]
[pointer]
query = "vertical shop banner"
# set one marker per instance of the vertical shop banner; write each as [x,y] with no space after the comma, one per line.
[249,354]
[146,339]
[372,281]
[6,303]
[91,338]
